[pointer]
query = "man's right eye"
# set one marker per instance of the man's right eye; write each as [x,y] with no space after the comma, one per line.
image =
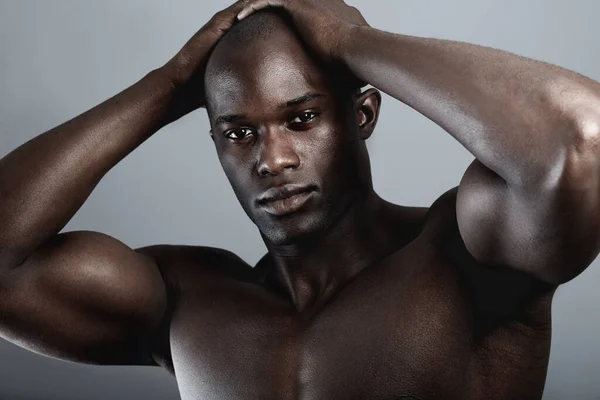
[238,134]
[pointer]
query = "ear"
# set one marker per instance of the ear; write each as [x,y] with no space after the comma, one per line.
[212,136]
[367,108]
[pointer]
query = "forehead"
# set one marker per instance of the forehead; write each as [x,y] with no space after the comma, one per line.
[262,76]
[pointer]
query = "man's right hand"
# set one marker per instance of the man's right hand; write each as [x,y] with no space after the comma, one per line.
[186,68]
[83,295]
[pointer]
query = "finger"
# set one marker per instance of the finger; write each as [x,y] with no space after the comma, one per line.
[238,6]
[224,19]
[233,9]
[253,6]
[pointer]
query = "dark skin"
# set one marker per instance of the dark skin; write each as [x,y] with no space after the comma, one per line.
[357,298]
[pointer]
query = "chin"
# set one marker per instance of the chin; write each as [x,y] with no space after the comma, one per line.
[292,229]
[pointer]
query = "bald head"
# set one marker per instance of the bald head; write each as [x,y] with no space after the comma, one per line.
[253,31]
[255,40]
[279,114]
[259,26]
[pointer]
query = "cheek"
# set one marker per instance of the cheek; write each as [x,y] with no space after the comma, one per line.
[332,151]
[237,168]
[326,141]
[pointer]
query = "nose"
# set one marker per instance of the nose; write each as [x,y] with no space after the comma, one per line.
[276,154]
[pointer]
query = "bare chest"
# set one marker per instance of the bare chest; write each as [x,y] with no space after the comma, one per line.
[394,331]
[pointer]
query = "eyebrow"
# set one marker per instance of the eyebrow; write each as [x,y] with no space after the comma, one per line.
[230,118]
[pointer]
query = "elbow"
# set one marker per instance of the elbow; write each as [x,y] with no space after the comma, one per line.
[581,163]
[587,133]
[577,110]
[579,137]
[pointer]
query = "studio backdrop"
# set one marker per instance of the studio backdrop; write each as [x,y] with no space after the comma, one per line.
[59,58]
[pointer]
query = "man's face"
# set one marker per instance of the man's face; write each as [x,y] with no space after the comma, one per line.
[278,126]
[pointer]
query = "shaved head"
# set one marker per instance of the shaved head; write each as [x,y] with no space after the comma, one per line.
[259,30]
[259,26]
[280,115]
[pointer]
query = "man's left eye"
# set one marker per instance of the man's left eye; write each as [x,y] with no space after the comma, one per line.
[304,117]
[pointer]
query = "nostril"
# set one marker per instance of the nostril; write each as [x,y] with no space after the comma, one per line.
[264,169]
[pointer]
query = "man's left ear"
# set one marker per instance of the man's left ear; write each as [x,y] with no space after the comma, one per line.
[367,107]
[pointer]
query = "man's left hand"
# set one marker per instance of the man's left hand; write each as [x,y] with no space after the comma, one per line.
[323,24]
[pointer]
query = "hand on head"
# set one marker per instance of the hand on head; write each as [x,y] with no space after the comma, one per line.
[186,69]
[323,24]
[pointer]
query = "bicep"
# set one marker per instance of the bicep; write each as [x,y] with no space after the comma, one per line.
[85,297]
[552,234]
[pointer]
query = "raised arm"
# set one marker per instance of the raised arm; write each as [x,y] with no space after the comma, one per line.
[531,199]
[85,296]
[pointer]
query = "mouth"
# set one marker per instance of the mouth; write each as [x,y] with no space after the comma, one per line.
[285,199]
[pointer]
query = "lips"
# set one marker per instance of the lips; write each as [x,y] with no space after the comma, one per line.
[282,192]
[285,199]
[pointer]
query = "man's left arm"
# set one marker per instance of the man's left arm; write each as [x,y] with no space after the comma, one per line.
[531,199]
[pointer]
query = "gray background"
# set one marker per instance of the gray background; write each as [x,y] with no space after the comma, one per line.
[60,58]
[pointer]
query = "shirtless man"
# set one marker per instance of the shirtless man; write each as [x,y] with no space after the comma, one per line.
[357,298]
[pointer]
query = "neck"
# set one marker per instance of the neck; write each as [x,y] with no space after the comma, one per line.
[311,272]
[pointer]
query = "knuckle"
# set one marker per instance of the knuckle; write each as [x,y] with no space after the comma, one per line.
[219,20]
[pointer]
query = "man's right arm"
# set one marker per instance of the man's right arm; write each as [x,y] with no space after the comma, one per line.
[77,295]
[85,296]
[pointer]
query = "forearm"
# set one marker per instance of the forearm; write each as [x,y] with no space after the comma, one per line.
[46,180]
[518,116]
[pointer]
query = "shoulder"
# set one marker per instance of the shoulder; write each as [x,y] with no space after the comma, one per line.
[179,263]
[442,212]
[185,269]
[498,295]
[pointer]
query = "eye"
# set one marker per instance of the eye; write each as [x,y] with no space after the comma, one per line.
[238,134]
[304,117]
